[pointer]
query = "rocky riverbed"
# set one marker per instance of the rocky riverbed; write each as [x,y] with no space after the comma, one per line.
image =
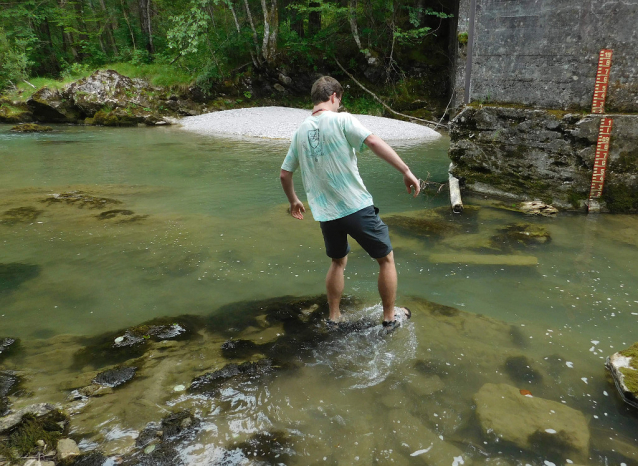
[218,389]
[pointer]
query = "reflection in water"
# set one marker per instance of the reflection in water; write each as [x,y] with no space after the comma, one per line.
[211,230]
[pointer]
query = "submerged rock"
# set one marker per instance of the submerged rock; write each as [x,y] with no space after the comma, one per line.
[20,215]
[7,345]
[532,423]
[14,274]
[520,370]
[210,383]
[8,382]
[115,377]
[624,370]
[120,216]
[525,234]
[269,447]
[31,128]
[118,347]
[80,199]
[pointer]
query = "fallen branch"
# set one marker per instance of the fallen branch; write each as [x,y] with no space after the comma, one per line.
[29,84]
[381,101]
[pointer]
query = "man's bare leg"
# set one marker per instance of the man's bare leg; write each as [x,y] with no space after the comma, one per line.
[334,286]
[387,285]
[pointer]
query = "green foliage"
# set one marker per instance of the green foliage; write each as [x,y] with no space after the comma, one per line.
[463,38]
[76,71]
[364,105]
[157,74]
[13,61]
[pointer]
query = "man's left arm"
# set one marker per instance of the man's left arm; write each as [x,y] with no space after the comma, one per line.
[387,153]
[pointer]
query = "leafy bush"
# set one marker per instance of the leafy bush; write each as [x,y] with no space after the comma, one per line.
[13,61]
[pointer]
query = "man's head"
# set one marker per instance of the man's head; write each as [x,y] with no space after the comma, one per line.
[323,88]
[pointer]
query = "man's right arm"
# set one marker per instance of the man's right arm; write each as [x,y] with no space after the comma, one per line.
[385,152]
[296,206]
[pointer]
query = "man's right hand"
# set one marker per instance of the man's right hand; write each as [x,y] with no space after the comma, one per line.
[297,209]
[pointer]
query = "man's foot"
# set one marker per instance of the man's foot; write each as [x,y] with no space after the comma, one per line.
[400,314]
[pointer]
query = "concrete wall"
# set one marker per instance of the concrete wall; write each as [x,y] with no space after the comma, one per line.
[544,53]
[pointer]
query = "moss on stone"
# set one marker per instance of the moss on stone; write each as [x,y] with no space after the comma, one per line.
[80,199]
[463,38]
[22,439]
[120,117]
[627,162]
[20,215]
[31,128]
[619,197]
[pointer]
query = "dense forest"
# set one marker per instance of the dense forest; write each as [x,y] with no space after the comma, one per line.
[206,42]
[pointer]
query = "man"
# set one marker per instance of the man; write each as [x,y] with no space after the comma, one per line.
[324,148]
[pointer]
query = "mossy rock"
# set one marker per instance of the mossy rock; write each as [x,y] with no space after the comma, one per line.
[117,347]
[10,113]
[118,117]
[631,373]
[80,199]
[267,447]
[120,216]
[21,440]
[430,227]
[31,128]
[624,370]
[8,346]
[20,215]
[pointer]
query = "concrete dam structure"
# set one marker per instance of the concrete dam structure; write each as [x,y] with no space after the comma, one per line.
[524,82]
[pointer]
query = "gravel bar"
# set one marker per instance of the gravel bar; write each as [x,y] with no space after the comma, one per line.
[281,123]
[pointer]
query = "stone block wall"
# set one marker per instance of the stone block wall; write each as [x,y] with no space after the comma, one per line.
[544,53]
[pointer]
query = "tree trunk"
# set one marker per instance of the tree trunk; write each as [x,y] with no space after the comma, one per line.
[145,22]
[352,16]
[108,28]
[67,38]
[128,23]
[314,19]
[252,55]
[252,26]
[271,30]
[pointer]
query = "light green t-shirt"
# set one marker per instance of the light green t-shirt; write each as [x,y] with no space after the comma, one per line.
[324,148]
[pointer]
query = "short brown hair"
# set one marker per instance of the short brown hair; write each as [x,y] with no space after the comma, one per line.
[323,88]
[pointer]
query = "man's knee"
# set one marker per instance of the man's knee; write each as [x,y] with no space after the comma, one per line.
[386,260]
[341,262]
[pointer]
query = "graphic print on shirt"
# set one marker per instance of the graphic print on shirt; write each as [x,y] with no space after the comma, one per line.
[314,140]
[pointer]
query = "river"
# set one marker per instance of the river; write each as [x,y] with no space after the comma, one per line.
[196,223]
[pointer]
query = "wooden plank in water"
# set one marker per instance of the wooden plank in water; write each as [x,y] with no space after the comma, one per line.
[483,259]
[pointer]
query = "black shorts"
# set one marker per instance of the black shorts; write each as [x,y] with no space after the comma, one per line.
[364,226]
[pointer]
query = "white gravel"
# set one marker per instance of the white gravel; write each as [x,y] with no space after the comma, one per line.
[281,123]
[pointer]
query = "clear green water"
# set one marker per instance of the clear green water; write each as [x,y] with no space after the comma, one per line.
[217,232]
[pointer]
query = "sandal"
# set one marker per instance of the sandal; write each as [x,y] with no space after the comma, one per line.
[407,313]
[389,327]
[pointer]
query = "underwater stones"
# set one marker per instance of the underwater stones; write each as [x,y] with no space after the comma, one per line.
[32,432]
[67,449]
[94,458]
[14,274]
[115,377]
[210,383]
[80,199]
[176,424]
[120,216]
[423,385]
[8,381]
[623,367]
[7,345]
[433,226]
[484,259]
[520,370]
[531,422]
[20,215]
[31,128]
[117,347]
[239,349]
[270,447]
[525,234]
